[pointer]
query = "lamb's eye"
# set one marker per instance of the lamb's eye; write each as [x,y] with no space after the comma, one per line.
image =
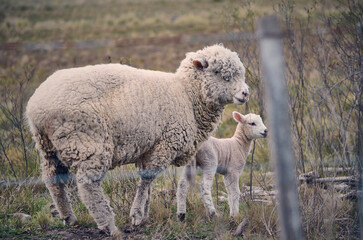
[216,72]
[252,124]
[226,79]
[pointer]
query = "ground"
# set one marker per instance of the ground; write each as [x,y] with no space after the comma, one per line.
[76,233]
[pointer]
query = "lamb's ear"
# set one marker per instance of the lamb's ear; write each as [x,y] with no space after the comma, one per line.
[200,65]
[237,117]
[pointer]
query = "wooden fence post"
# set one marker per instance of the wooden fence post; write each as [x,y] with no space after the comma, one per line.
[281,148]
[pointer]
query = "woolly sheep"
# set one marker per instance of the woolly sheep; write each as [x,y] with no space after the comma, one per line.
[95,118]
[224,156]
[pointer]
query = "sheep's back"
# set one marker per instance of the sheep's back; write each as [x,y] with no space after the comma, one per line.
[137,106]
[86,88]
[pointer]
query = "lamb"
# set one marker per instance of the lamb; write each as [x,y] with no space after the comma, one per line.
[94,118]
[226,157]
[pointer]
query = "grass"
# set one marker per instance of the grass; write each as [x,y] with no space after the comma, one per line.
[318,206]
[67,20]
[33,200]
[36,202]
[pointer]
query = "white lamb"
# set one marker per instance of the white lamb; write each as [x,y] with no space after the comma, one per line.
[224,156]
[95,118]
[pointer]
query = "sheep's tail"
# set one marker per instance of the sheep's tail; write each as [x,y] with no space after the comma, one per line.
[191,171]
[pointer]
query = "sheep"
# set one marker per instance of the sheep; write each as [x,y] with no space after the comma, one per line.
[94,118]
[226,157]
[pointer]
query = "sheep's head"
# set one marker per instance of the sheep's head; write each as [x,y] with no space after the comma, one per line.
[222,74]
[252,125]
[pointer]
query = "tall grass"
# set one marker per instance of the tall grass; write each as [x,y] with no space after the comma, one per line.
[323,70]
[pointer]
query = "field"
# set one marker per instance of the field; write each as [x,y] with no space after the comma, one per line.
[323,54]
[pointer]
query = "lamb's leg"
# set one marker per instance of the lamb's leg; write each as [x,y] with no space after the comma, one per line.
[89,177]
[182,193]
[55,175]
[232,186]
[205,187]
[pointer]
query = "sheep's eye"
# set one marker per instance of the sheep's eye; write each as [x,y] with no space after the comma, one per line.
[252,124]
[216,72]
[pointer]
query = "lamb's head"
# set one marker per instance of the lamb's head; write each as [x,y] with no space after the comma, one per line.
[251,125]
[220,72]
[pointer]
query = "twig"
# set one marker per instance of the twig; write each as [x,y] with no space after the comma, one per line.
[216,177]
[253,152]
[7,158]
[241,228]
[313,177]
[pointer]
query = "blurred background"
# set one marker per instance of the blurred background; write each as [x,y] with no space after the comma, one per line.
[323,53]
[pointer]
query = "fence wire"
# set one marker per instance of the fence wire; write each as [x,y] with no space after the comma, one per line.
[120,174]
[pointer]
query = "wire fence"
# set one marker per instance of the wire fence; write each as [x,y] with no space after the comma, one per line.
[124,173]
[179,39]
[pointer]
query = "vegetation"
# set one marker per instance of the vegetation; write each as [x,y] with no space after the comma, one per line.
[323,53]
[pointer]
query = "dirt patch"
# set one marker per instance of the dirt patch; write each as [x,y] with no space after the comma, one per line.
[66,234]
[79,233]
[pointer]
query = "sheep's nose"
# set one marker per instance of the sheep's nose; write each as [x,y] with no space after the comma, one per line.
[266,131]
[245,93]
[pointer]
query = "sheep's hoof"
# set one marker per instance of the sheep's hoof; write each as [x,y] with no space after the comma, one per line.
[113,234]
[181,217]
[54,211]
[213,215]
[116,235]
[129,229]
[70,220]
[138,220]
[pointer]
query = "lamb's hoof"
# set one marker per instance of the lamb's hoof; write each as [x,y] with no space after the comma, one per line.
[181,217]
[70,220]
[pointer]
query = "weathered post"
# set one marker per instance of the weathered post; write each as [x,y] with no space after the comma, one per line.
[360,160]
[281,148]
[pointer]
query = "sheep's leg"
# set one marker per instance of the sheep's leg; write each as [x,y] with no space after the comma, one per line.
[159,160]
[140,207]
[182,193]
[89,177]
[205,189]
[55,175]
[231,184]
[147,203]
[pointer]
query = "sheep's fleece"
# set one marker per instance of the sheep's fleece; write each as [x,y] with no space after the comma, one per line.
[95,118]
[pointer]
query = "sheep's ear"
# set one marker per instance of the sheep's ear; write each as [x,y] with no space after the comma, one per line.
[200,64]
[197,64]
[238,117]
